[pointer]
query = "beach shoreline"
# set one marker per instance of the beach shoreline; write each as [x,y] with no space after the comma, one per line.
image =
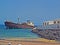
[25,41]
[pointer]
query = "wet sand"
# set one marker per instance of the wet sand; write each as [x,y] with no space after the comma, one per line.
[28,42]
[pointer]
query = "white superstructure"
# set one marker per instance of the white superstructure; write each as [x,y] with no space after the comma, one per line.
[29,23]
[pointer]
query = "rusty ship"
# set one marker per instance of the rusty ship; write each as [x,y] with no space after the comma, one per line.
[25,25]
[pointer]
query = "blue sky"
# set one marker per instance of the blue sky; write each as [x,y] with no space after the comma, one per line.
[37,11]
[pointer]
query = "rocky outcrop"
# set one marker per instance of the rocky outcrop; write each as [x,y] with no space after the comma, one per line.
[52,34]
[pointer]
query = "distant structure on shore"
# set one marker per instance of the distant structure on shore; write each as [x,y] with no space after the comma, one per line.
[51,22]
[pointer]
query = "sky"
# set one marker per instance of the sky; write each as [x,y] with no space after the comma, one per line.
[37,11]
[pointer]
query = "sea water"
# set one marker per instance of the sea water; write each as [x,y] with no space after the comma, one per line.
[17,33]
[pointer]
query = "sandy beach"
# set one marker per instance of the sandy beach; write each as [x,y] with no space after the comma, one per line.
[28,42]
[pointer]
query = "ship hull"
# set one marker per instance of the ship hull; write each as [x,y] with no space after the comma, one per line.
[11,25]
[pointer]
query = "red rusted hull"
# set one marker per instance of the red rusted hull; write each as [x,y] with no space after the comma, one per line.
[12,25]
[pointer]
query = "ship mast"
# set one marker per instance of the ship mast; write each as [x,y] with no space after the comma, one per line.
[18,20]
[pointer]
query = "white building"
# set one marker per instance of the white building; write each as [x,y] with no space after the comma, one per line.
[51,22]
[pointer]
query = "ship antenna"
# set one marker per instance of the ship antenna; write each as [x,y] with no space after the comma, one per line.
[18,20]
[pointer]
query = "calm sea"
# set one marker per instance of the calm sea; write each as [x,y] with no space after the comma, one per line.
[16,33]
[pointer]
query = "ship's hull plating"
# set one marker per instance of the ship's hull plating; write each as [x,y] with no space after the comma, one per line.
[11,25]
